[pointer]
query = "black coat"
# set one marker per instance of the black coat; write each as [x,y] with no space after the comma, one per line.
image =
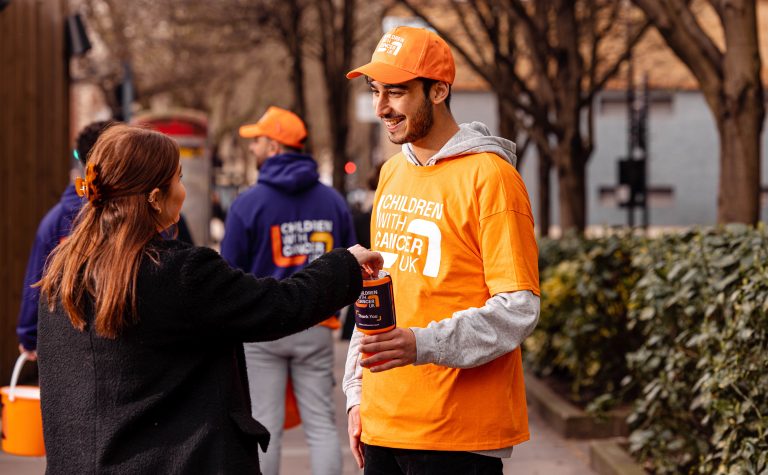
[169,394]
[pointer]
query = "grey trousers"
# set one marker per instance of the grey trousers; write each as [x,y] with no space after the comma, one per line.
[308,357]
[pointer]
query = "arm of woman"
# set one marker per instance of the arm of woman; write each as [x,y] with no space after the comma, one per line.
[227,302]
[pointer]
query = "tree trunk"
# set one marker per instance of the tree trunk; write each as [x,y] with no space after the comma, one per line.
[297,81]
[730,81]
[338,107]
[739,188]
[295,45]
[336,57]
[572,185]
[545,191]
[570,155]
[507,127]
[739,115]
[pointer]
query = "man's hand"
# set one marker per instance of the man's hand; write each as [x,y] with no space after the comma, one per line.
[31,354]
[354,428]
[395,348]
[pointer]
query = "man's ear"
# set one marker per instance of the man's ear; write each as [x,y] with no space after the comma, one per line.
[439,92]
[274,148]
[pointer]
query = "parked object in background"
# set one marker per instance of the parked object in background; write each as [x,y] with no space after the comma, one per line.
[189,128]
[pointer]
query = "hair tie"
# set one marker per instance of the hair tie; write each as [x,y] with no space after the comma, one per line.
[87,187]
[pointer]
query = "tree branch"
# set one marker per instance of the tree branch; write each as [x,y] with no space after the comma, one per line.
[477,67]
[686,38]
[613,69]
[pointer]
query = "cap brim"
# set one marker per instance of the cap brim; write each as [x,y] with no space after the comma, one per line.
[382,72]
[250,131]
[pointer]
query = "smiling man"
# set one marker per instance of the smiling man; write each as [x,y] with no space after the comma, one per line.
[453,221]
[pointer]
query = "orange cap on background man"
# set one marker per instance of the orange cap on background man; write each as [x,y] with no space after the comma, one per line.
[280,125]
[406,53]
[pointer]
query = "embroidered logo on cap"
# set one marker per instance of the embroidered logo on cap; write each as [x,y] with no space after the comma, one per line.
[390,44]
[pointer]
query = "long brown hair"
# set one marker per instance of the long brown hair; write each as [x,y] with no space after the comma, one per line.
[101,257]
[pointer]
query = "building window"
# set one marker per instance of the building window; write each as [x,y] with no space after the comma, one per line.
[658,196]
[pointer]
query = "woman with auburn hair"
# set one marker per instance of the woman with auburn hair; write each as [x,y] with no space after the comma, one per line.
[140,337]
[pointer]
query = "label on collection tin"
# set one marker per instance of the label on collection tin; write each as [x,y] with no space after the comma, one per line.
[375,308]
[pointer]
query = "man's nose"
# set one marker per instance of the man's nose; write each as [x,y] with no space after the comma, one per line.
[381,105]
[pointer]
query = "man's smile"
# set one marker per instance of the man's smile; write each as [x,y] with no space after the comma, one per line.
[392,122]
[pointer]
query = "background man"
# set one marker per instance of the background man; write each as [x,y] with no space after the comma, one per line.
[453,221]
[274,229]
[55,226]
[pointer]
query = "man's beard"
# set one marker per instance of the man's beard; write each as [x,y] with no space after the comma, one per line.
[419,126]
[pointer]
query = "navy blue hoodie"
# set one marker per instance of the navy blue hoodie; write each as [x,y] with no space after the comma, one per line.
[55,226]
[287,220]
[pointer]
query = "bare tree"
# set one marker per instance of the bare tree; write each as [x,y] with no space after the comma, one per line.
[285,18]
[199,52]
[336,30]
[190,53]
[546,61]
[729,78]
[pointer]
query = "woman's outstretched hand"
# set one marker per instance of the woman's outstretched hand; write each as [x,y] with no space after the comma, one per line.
[370,262]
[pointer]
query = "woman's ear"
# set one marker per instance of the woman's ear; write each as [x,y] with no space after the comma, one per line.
[152,199]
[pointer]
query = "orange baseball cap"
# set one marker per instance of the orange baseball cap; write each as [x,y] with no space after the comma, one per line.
[406,53]
[278,124]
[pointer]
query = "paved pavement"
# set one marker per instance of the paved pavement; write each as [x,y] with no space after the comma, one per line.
[546,453]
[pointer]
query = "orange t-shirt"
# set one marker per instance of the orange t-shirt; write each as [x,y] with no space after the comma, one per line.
[452,235]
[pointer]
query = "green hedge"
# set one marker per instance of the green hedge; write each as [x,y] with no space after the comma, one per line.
[680,323]
[583,333]
[702,308]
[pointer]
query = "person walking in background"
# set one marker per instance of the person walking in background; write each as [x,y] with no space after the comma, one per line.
[443,392]
[54,227]
[274,229]
[140,338]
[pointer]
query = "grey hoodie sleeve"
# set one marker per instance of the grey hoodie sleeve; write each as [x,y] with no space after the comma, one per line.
[469,338]
[352,384]
[475,336]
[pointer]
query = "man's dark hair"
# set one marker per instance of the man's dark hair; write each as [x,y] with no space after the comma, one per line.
[87,138]
[428,83]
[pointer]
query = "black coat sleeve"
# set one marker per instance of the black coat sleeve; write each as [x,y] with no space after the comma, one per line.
[229,303]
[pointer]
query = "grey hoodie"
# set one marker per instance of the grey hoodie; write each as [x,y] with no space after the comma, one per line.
[471,138]
[473,336]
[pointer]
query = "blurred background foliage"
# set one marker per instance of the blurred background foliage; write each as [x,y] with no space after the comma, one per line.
[676,326]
